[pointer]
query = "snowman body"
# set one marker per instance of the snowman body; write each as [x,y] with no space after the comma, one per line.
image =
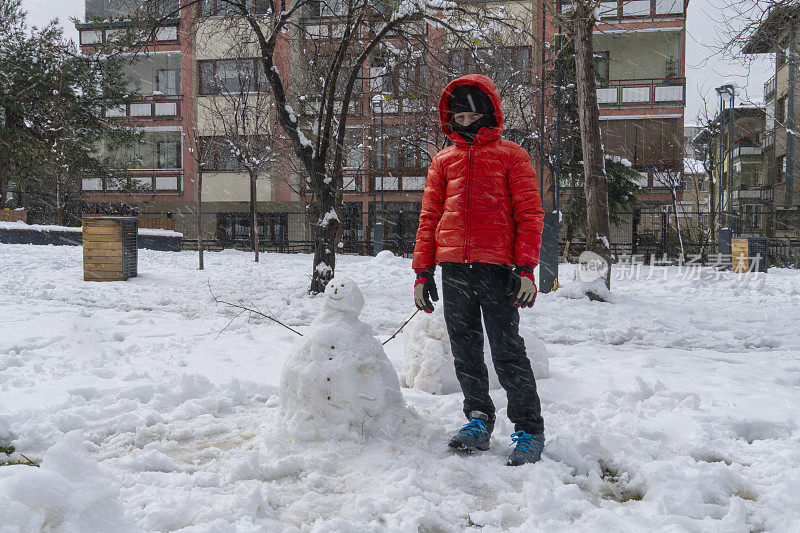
[338,383]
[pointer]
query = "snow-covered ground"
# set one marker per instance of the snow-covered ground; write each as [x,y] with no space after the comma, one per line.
[151,407]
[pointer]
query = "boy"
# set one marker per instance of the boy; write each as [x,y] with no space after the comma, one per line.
[481,220]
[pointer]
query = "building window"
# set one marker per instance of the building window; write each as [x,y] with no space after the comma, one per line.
[273,228]
[352,231]
[601,67]
[232,76]
[169,154]
[781,110]
[217,154]
[329,8]
[405,79]
[221,8]
[403,150]
[507,65]
[168,81]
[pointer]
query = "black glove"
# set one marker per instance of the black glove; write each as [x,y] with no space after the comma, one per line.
[425,290]
[522,286]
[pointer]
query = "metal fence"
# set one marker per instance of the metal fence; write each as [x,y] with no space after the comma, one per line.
[648,232]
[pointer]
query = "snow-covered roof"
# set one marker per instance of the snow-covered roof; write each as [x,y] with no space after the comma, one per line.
[693,166]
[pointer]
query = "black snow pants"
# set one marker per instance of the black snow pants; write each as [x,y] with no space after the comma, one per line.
[469,289]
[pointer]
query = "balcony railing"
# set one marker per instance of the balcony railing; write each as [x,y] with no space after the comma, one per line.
[642,92]
[763,194]
[637,9]
[100,33]
[747,151]
[162,181]
[332,27]
[150,107]
[769,88]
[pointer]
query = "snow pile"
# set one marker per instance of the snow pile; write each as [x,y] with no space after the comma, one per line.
[68,493]
[339,384]
[428,357]
[593,290]
[385,258]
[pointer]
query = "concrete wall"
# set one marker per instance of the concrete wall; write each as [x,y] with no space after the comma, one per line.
[234,187]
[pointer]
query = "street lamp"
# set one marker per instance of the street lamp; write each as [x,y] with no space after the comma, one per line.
[730,90]
[724,244]
[377,227]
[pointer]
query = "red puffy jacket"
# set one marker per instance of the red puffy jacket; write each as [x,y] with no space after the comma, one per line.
[481,202]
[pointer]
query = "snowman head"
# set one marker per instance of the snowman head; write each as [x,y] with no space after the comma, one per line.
[342,294]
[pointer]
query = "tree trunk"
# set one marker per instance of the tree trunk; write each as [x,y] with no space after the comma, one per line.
[254,214]
[4,171]
[200,219]
[568,240]
[677,222]
[325,237]
[595,183]
[58,200]
[3,189]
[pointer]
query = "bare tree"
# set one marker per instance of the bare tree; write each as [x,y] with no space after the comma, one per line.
[673,181]
[194,142]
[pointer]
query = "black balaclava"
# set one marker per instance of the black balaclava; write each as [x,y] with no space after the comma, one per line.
[469,98]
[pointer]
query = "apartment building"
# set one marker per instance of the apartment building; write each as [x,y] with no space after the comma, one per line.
[739,166]
[184,72]
[186,80]
[161,182]
[778,35]
[640,50]
[179,75]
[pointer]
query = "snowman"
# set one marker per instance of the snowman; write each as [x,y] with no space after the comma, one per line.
[338,382]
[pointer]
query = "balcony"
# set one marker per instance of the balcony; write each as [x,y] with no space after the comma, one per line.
[100,33]
[769,139]
[149,108]
[162,181]
[642,92]
[769,88]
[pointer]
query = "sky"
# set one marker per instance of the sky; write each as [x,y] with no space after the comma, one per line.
[705,67]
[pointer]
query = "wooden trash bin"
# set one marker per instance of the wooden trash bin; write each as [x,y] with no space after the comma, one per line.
[749,254]
[110,247]
[740,255]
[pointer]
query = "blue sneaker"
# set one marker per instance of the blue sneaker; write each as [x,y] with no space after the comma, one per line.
[529,448]
[474,435]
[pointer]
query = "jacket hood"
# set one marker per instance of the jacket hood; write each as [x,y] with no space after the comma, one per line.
[486,85]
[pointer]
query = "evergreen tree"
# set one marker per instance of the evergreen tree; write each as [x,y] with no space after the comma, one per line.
[52,102]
